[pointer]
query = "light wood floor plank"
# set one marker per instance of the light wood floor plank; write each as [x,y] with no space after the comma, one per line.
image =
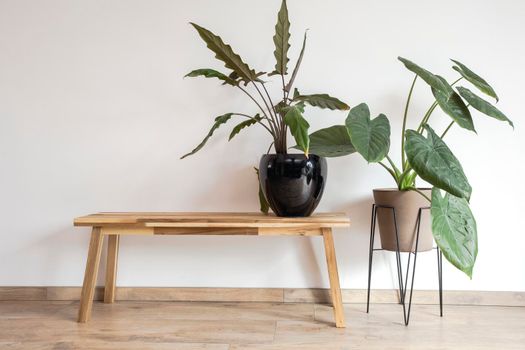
[262,326]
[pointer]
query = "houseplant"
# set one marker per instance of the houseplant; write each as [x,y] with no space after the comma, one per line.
[292,183]
[424,154]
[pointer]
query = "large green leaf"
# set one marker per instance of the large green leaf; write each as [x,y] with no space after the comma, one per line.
[433,161]
[211,73]
[244,124]
[224,53]
[297,65]
[331,142]
[370,137]
[322,101]
[218,122]
[298,127]
[454,229]
[281,40]
[428,77]
[264,206]
[483,106]
[475,79]
[453,105]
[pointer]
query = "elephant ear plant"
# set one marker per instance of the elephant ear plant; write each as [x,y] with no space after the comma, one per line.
[424,154]
[276,118]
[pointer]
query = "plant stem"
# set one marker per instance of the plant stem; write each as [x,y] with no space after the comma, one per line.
[273,132]
[277,137]
[393,165]
[273,106]
[405,122]
[421,193]
[250,117]
[447,129]
[431,109]
[390,171]
[270,147]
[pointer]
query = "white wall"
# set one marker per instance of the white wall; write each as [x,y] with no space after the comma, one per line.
[94,115]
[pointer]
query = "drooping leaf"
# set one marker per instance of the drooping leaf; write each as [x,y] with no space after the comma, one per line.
[218,122]
[453,105]
[483,106]
[370,137]
[428,77]
[297,65]
[475,79]
[211,73]
[454,229]
[281,40]
[433,161]
[224,53]
[298,127]
[244,124]
[322,101]
[264,206]
[331,142]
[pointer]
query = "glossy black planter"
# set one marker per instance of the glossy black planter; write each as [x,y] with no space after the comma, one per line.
[292,184]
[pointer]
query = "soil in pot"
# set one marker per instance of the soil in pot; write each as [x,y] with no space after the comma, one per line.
[406,204]
[292,183]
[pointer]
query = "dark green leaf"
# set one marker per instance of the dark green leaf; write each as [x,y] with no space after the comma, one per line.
[331,142]
[281,40]
[218,122]
[483,106]
[297,65]
[424,74]
[224,53]
[434,162]
[264,206]
[371,138]
[475,79]
[211,73]
[453,105]
[322,101]
[454,229]
[298,127]
[244,124]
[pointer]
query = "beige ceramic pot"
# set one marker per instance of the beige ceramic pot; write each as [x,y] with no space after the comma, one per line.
[406,204]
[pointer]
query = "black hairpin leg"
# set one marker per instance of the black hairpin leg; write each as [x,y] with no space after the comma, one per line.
[403,287]
[440,279]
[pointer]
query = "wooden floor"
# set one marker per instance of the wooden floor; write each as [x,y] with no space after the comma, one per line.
[221,326]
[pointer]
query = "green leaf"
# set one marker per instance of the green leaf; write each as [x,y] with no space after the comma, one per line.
[371,138]
[322,101]
[264,206]
[224,53]
[453,105]
[211,73]
[297,65]
[428,77]
[281,40]
[483,106]
[331,142]
[454,229]
[475,79]
[298,127]
[244,124]
[434,162]
[218,122]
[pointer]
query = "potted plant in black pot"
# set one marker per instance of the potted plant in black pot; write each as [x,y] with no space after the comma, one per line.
[291,183]
[424,154]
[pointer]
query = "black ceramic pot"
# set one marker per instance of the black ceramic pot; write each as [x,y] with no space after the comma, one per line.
[292,184]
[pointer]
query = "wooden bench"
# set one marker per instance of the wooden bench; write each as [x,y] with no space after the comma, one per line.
[115,225]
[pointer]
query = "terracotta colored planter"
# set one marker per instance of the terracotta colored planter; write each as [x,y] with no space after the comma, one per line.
[406,204]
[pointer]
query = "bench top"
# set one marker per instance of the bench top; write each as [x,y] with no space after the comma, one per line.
[210,220]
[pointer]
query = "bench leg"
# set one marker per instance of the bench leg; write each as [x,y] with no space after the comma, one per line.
[90,276]
[111,269]
[335,289]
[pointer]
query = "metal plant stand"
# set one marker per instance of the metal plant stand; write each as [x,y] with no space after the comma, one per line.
[403,287]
